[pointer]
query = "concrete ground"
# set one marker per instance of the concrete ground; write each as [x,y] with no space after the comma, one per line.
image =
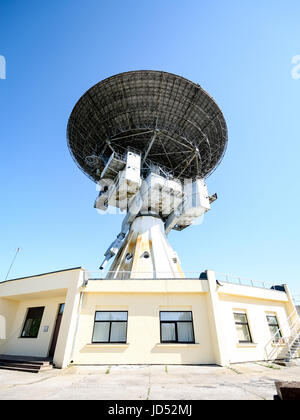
[247,381]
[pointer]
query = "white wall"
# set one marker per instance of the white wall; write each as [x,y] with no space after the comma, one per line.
[143,334]
[8,309]
[16,345]
[256,311]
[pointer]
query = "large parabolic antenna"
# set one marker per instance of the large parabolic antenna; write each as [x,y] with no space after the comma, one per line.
[149,138]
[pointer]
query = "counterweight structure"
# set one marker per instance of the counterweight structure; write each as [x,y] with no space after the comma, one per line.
[149,139]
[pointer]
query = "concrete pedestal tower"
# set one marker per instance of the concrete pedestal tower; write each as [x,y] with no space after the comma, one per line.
[146,252]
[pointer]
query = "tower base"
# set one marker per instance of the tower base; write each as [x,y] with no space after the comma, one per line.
[146,252]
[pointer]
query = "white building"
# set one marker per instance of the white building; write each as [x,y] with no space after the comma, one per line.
[74,317]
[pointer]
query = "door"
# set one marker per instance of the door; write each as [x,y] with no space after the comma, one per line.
[56,329]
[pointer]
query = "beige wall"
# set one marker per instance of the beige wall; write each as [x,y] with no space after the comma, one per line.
[256,311]
[143,331]
[212,307]
[214,325]
[8,309]
[256,303]
[39,346]
[40,285]
[16,296]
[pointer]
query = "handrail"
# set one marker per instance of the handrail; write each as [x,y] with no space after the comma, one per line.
[131,275]
[285,339]
[230,278]
[295,331]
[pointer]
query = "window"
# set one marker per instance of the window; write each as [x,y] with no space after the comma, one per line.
[32,322]
[242,328]
[274,328]
[176,327]
[110,327]
[61,308]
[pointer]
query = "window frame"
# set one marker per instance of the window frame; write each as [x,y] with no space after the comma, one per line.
[109,332]
[274,325]
[26,318]
[243,323]
[176,329]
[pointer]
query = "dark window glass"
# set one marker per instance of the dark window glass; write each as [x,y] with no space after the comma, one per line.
[110,316]
[274,328]
[242,327]
[168,332]
[176,327]
[61,308]
[32,322]
[176,316]
[110,327]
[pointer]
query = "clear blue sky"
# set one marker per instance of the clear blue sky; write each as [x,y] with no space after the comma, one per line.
[238,51]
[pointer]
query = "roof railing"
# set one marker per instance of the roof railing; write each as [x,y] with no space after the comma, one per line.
[191,275]
[246,281]
[131,275]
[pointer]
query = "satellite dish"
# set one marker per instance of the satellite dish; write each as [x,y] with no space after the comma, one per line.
[172,122]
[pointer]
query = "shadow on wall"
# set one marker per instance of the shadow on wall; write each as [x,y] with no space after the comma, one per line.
[3,334]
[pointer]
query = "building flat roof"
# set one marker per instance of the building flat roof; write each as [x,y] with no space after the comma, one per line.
[42,274]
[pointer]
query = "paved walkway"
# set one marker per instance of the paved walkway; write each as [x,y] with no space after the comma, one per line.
[249,381]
